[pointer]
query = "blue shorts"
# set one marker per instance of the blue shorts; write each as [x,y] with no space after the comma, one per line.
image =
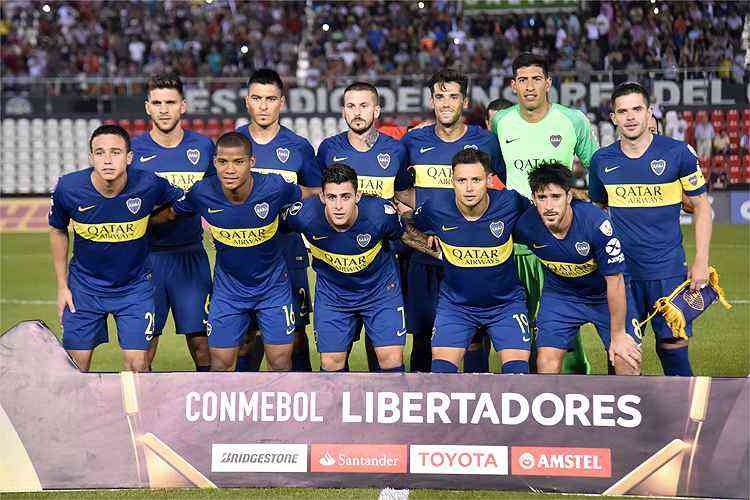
[646,293]
[506,324]
[421,296]
[559,320]
[87,327]
[336,326]
[229,316]
[182,283]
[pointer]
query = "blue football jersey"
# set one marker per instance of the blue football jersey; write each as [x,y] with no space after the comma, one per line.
[182,165]
[644,196]
[352,266]
[381,171]
[576,265]
[292,157]
[110,242]
[248,245]
[479,267]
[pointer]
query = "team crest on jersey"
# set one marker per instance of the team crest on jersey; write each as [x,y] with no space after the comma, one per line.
[384,159]
[583,248]
[471,146]
[261,210]
[363,240]
[388,209]
[194,155]
[693,180]
[555,139]
[295,208]
[282,154]
[658,166]
[133,204]
[496,228]
[606,228]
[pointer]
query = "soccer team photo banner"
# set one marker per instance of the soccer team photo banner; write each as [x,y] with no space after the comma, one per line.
[667,436]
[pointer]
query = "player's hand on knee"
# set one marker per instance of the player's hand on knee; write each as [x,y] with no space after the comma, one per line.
[623,346]
[64,298]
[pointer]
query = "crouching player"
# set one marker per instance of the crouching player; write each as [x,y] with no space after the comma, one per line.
[110,207]
[583,265]
[474,227]
[357,278]
[242,210]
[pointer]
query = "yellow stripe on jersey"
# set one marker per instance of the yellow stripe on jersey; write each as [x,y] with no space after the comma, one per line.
[644,195]
[245,237]
[433,176]
[182,180]
[377,186]
[693,181]
[347,264]
[288,175]
[112,232]
[477,256]
[570,269]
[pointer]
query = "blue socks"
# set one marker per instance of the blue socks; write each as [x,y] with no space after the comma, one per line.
[244,363]
[206,368]
[395,369]
[477,361]
[301,354]
[443,366]
[675,362]
[515,367]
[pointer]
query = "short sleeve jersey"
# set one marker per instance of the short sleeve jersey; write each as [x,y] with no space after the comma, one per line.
[644,196]
[248,247]
[576,265]
[182,165]
[110,245]
[479,268]
[352,266]
[381,171]
[292,157]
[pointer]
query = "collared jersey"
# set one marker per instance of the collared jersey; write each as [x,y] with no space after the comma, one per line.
[576,265]
[248,246]
[381,171]
[644,197]
[292,157]
[352,265]
[110,243]
[479,267]
[182,165]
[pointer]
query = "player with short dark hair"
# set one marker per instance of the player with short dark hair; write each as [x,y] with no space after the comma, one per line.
[584,266]
[181,272]
[642,178]
[109,206]
[430,152]
[474,227]
[280,151]
[493,107]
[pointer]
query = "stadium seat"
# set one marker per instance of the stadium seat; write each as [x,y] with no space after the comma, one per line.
[227,125]
[185,123]
[198,125]
[287,122]
[717,115]
[718,164]
[242,121]
[702,114]
[300,126]
[688,116]
[607,132]
[328,127]
[733,115]
[746,114]
[315,125]
[343,126]
[213,128]
[124,123]
[139,126]
[746,160]
[718,125]
[745,175]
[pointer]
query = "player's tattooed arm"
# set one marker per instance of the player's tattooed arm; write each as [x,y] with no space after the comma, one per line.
[416,239]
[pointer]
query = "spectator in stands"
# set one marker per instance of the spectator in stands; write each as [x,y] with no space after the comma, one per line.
[721,143]
[745,142]
[704,135]
[676,126]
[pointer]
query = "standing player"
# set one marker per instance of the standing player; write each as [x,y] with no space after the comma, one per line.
[430,151]
[584,267]
[278,150]
[378,160]
[533,132]
[357,281]
[493,107]
[109,206]
[642,178]
[181,274]
[474,227]
[251,282]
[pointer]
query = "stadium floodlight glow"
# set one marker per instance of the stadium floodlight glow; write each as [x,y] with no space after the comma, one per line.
[420,5]
[46,8]
[457,41]
[209,2]
[325,27]
[244,49]
[656,10]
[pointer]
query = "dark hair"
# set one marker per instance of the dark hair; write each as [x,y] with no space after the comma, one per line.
[471,155]
[110,130]
[496,105]
[339,173]
[234,140]
[550,173]
[164,81]
[628,88]
[449,76]
[266,76]
[363,86]
[528,59]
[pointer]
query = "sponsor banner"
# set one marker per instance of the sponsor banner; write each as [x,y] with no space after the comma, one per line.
[478,7]
[259,458]
[740,201]
[654,436]
[458,459]
[28,215]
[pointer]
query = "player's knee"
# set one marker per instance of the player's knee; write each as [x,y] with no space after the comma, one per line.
[389,358]
[332,361]
[137,362]
[673,354]
[549,361]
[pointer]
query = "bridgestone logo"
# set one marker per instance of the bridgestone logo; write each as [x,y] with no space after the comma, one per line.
[259,458]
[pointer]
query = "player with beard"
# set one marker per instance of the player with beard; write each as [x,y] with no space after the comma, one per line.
[181,273]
